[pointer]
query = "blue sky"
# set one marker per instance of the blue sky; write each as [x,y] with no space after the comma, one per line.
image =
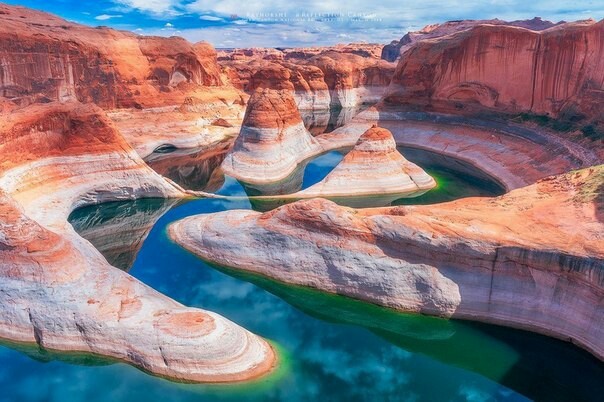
[248,23]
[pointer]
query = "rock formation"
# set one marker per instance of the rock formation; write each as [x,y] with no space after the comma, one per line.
[393,51]
[322,78]
[531,259]
[556,73]
[57,289]
[165,90]
[374,167]
[272,141]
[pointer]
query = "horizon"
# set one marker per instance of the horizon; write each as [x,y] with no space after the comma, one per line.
[280,24]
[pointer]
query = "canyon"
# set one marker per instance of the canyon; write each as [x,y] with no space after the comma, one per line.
[91,116]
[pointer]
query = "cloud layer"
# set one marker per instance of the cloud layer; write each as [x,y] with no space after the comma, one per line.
[236,23]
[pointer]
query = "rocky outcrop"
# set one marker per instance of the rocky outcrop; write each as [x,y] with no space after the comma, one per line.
[59,292]
[272,141]
[393,50]
[374,167]
[531,259]
[47,58]
[160,91]
[557,73]
[322,78]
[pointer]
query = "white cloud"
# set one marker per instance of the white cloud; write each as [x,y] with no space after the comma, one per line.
[168,25]
[210,18]
[154,7]
[105,17]
[360,20]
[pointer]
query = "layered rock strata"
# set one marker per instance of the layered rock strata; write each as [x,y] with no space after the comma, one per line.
[373,167]
[57,289]
[272,141]
[162,91]
[515,155]
[557,73]
[530,259]
[393,51]
[331,78]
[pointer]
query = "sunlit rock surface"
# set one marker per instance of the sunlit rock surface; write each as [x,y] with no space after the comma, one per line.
[160,90]
[57,289]
[532,258]
[393,51]
[272,141]
[373,167]
[556,73]
[339,76]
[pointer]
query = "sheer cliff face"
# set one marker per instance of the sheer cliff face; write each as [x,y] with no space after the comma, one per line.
[46,58]
[392,51]
[557,72]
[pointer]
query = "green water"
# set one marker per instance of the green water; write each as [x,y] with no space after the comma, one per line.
[330,347]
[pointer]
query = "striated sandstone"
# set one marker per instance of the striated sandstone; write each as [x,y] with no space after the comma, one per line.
[321,78]
[160,91]
[393,51]
[531,259]
[57,289]
[557,72]
[374,167]
[272,141]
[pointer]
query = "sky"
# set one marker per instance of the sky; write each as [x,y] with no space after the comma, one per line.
[289,23]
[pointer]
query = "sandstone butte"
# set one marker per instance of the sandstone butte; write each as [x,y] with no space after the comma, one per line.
[531,259]
[59,291]
[272,141]
[374,167]
[557,73]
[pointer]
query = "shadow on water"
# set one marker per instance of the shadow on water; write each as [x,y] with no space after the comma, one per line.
[325,121]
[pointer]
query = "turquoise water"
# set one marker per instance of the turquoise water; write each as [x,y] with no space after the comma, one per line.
[331,348]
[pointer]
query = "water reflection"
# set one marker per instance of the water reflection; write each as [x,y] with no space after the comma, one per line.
[325,121]
[190,168]
[118,229]
[336,348]
[518,360]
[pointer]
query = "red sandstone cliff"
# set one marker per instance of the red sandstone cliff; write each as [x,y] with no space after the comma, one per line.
[558,72]
[393,50]
[47,58]
[321,77]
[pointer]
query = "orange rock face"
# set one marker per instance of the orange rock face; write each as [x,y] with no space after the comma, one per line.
[531,259]
[392,51]
[558,72]
[47,58]
[273,139]
[341,76]
[58,291]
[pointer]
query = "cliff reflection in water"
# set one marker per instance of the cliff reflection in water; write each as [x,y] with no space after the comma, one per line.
[119,229]
[193,169]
